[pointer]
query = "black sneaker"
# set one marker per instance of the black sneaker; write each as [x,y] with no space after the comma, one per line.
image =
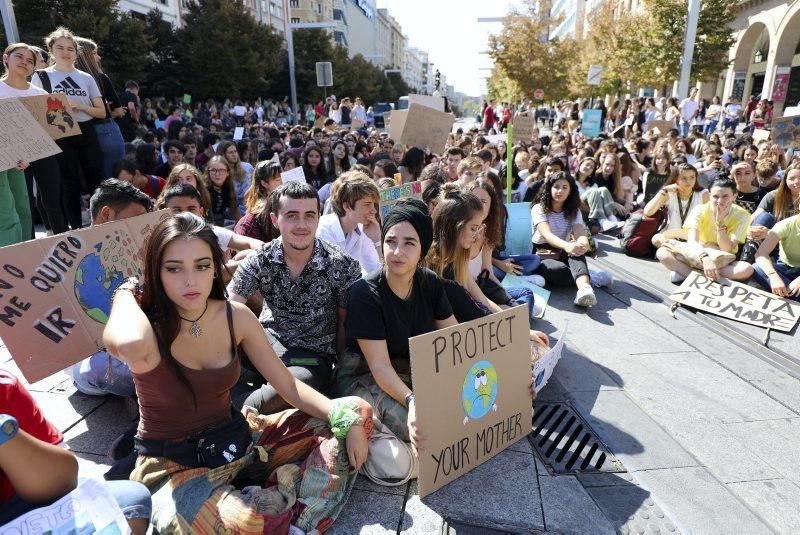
[122,445]
[748,253]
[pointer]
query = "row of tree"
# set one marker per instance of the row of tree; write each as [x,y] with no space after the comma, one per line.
[641,49]
[219,52]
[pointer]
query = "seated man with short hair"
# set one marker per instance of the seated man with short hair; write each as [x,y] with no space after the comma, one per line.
[304,282]
[101,374]
[352,225]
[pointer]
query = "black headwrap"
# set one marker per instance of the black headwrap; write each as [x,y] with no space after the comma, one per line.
[415,212]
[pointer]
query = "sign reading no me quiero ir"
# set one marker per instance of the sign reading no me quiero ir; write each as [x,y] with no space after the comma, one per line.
[471,393]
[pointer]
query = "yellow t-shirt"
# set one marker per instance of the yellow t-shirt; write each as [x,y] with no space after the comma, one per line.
[702,218]
[788,231]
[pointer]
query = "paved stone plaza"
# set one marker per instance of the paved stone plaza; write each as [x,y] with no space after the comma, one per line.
[705,431]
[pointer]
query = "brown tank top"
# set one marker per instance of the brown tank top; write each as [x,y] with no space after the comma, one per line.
[166,407]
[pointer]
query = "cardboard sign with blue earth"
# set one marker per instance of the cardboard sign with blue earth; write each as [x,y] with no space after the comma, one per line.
[55,292]
[471,393]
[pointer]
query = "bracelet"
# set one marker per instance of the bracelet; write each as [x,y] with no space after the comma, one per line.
[703,255]
[130,284]
[377,243]
[342,416]
[409,399]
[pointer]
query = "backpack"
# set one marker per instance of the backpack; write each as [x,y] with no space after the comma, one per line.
[639,229]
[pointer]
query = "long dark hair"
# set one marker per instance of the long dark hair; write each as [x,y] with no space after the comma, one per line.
[573,201]
[453,212]
[155,303]
[321,173]
[493,222]
[344,163]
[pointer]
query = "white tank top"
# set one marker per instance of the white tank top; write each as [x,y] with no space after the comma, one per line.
[476,265]
[674,208]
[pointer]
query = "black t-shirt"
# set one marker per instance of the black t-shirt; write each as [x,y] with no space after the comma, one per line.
[374,312]
[464,308]
[748,201]
[126,124]
[533,190]
[345,114]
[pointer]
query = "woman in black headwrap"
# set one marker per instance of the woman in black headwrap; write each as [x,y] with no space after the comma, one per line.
[387,308]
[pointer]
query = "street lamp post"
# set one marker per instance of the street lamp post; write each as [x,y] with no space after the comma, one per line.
[9,21]
[290,48]
[688,48]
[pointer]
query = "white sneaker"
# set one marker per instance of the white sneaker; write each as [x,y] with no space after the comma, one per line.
[600,278]
[585,297]
[676,277]
[538,280]
[536,310]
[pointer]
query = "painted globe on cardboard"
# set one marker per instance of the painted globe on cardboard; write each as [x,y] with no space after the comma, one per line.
[479,391]
[94,287]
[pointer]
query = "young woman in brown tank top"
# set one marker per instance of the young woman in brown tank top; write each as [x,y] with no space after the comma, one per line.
[171,333]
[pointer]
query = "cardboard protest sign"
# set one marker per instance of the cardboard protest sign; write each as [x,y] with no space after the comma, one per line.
[786,132]
[422,127]
[390,196]
[544,367]
[540,295]
[738,302]
[523,128]
[397,121]
[357,124]
[55,292]
[760,134]
[471,393]
[519,232]
[661,126]
[54,114]
[21,136]
[293,175]
[187,98]
[238,133]
[437,103]
[591,126]
[90,508]
[495,138]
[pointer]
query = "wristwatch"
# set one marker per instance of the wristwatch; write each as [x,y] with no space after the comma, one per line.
[8,428]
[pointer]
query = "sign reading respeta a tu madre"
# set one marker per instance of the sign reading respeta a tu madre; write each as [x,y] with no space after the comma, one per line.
[471,388]
[738,302]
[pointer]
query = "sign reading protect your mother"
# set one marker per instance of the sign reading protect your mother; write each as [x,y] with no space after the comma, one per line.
[55,292]
[471,389]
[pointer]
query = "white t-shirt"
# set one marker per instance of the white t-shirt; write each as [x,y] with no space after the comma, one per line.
[239,111]
[357,244]
[688,107]
[6,91]
[223,236]
[77,85]
[559,225]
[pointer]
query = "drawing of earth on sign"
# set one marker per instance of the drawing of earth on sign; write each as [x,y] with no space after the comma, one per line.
[479,391]
[57,115]
[100,272]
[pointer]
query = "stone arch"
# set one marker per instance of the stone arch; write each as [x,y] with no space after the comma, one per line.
[788,35]
[742,53]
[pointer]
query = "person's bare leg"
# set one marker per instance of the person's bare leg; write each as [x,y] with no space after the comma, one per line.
[669,261]
[737,271]
[658,240]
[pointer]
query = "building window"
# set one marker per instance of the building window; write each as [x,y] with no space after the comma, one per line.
[319,9]
[294,3]
[295,20]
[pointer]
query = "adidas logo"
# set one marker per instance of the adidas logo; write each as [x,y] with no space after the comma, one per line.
[69,88]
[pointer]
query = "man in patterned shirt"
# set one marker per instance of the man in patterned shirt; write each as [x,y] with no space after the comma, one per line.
[304,283]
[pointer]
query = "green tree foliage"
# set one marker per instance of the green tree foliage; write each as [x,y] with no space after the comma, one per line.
[525,56]
[163,76]
[222,51]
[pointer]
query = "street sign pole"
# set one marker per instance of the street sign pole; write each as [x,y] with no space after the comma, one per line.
[688,48]
[9,21]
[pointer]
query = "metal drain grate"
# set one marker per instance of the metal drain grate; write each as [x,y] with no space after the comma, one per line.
[566,443]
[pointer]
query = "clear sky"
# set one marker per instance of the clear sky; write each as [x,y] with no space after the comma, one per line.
[450,32]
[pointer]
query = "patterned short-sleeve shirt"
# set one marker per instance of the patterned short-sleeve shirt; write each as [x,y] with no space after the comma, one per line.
[300,313]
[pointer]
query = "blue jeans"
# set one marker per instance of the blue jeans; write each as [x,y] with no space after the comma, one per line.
[684,129]
[101,374]
[786,272]
[765,219]
[131,496]
[711,126]
[521,295]
[111,145]
[529,263]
